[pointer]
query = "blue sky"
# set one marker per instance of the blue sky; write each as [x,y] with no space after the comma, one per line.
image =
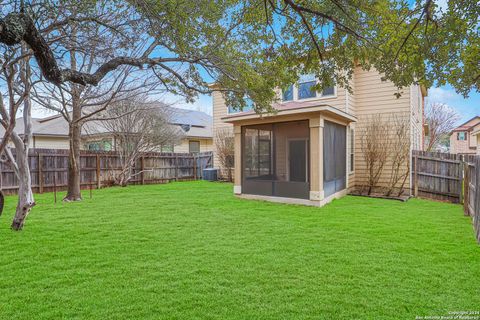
[466,108]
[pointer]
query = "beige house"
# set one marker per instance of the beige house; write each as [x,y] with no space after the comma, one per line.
[464,138]
[308,151]
[52,133]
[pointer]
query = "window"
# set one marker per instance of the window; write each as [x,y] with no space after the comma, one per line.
[248,107]
[193,146]
[288,93]
[352,150]
[461,136]
[166,148]
[102,145]
[328,91]
[305,87]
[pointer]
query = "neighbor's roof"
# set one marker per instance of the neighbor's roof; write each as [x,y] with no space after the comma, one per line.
[476,129]
[193,123]
[200,123]
[466,126]
[54,126]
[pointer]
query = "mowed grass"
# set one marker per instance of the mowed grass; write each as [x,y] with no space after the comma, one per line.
[191,250]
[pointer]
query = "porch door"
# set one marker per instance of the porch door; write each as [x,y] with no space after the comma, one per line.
[297,160]
[334,158]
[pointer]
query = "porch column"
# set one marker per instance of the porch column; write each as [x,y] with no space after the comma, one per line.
[237,179]
[316,158]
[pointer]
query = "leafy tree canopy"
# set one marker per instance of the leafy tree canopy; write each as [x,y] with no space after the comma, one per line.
[250,47]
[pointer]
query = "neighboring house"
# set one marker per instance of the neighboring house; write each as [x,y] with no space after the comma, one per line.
[52,133]
[308,152]
[463,139]
[195,126]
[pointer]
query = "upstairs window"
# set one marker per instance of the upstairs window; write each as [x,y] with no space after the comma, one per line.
[461,136]
[328,91]
[288,93]
[304,89]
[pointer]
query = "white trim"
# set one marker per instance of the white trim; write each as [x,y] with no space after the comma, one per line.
[347,100]
[305,202]
[298,110]
[307,171]
[237,189]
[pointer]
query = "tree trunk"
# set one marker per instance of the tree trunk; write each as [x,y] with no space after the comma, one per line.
[73,187]
[74,134]
[21,164]
[25,194]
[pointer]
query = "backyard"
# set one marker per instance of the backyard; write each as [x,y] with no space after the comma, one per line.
[191,250]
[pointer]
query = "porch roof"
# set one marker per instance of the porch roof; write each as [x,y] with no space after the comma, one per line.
[291,108]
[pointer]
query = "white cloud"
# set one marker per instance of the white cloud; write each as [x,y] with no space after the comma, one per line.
[442,95]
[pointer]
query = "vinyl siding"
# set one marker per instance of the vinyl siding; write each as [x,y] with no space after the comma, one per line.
[220,110]
[51,142]
[376,97]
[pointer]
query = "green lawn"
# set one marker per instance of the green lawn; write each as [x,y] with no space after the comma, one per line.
[191,250]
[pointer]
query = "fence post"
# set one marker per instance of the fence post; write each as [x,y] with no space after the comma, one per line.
[415,176]
[142,168]
[40,173]
[176,168]
[194,167]
[466,189]
[461,170]
[99,184]
[55,186]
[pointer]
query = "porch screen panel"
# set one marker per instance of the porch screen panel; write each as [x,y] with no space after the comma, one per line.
[275,159]
[334,158]
[257,160]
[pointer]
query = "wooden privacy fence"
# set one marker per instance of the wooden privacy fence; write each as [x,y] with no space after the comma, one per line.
[449,177]
[49,167]
[471,203]
[437,176]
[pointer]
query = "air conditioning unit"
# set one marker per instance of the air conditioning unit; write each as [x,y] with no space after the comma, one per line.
[210,174]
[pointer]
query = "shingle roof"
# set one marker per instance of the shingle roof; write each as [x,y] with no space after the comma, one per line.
[467,127]
[193,123]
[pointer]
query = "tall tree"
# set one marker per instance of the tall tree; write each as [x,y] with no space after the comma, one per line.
[137,127]
[16,79]
[114,30]
[441,120]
